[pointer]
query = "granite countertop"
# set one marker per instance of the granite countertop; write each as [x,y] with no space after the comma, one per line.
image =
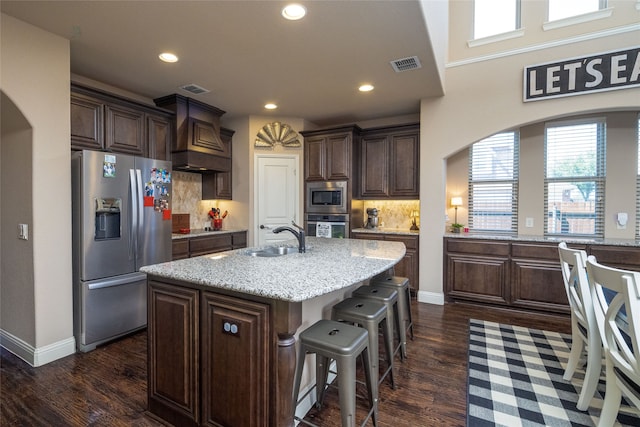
[383,230]
[202,232]
[527,238]
[327,266]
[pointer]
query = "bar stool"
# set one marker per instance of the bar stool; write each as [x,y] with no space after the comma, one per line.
[401,284]
[389,297]
[342,342]
[371,315]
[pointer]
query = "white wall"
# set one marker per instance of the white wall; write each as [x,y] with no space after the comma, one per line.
[486,96]
[35,77]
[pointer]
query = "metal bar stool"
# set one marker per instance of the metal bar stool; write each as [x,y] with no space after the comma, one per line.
[390,299]
[342,342]
[401,284]
[371,315]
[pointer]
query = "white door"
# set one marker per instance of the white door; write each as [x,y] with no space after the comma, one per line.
[276,196]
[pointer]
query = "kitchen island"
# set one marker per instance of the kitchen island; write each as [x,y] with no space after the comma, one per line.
[221,327]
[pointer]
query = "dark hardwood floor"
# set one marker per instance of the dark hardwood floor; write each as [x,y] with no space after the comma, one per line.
[107,387]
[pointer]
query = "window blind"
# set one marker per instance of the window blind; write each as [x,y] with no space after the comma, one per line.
[638,182]
[493,184]
[574,178]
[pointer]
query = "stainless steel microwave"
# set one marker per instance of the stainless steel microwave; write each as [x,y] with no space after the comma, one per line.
[326,197]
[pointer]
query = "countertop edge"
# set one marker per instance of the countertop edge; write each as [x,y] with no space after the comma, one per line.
[543,239]
[200,232]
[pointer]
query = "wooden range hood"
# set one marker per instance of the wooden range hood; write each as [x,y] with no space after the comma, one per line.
[198,146]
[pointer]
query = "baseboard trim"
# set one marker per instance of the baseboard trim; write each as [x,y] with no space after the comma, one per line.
[37,356]
[436,298]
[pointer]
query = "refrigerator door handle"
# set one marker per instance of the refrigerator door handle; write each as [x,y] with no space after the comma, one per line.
[133,244]
[139,202]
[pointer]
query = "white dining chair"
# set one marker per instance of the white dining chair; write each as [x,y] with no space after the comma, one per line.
[584,329]
[617,313]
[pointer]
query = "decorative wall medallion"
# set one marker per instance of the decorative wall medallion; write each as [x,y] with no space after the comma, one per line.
[277,133]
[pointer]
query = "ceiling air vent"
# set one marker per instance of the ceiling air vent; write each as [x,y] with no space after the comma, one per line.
[194,89]
[406,64]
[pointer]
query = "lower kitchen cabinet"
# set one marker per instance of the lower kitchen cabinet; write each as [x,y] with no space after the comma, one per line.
[207,244]
[173,353]
[234,341]
[407,266]
[514,274]
[203,345]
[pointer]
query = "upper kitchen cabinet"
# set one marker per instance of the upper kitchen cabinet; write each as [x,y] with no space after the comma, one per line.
[198,146]
[218,185]
[390,162]
[106,122]
[328,153]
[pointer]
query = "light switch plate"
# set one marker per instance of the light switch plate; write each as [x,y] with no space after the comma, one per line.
[23,231]
[528,222]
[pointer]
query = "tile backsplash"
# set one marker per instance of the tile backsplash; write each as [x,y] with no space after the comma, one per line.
[392,213]
[187,198]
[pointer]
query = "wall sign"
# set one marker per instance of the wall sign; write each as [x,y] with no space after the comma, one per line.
[577,76]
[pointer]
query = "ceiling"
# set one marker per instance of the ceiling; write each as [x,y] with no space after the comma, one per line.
[246,54]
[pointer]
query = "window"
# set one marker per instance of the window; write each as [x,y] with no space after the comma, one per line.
[493,17]
[493,184]
[638,184]
[574,178]
[560,9]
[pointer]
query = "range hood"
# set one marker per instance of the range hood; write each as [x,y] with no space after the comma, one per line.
[198,146]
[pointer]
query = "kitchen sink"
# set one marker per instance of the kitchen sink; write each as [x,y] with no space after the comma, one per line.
[272,251]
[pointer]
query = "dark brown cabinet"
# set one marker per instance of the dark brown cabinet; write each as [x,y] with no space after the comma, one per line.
[234,337]
[208,244]
[328,153]
[105,122]
[87,122]
[199,343]
[515,274]
[125,130]
[390,162]
[218,185]
[174,353]
[408,266]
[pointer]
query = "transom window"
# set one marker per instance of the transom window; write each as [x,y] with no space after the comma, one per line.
[493,17]
[493,184]
[560,9]
[574,178]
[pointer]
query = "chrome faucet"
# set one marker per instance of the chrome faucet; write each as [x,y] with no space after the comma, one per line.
[299,235]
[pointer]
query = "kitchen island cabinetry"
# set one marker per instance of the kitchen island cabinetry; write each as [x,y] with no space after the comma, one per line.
[230,334]
[408,266]
[105,122]
[328,153]
[390,162]
[221,333]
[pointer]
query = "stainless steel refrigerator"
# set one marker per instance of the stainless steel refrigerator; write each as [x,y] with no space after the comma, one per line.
[121,222]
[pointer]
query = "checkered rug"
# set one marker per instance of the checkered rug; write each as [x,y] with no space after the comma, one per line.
[515,379]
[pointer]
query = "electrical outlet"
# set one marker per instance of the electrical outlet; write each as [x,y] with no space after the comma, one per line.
[528,222]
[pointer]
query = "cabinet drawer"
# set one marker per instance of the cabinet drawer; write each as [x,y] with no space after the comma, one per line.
[479,247]
[209,244]
[239,240]
[537,251]
[180,249]
[617,256]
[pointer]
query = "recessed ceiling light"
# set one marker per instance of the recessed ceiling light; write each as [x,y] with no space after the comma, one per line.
[366,88]
[168,57]
[294,11]
[270,106]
